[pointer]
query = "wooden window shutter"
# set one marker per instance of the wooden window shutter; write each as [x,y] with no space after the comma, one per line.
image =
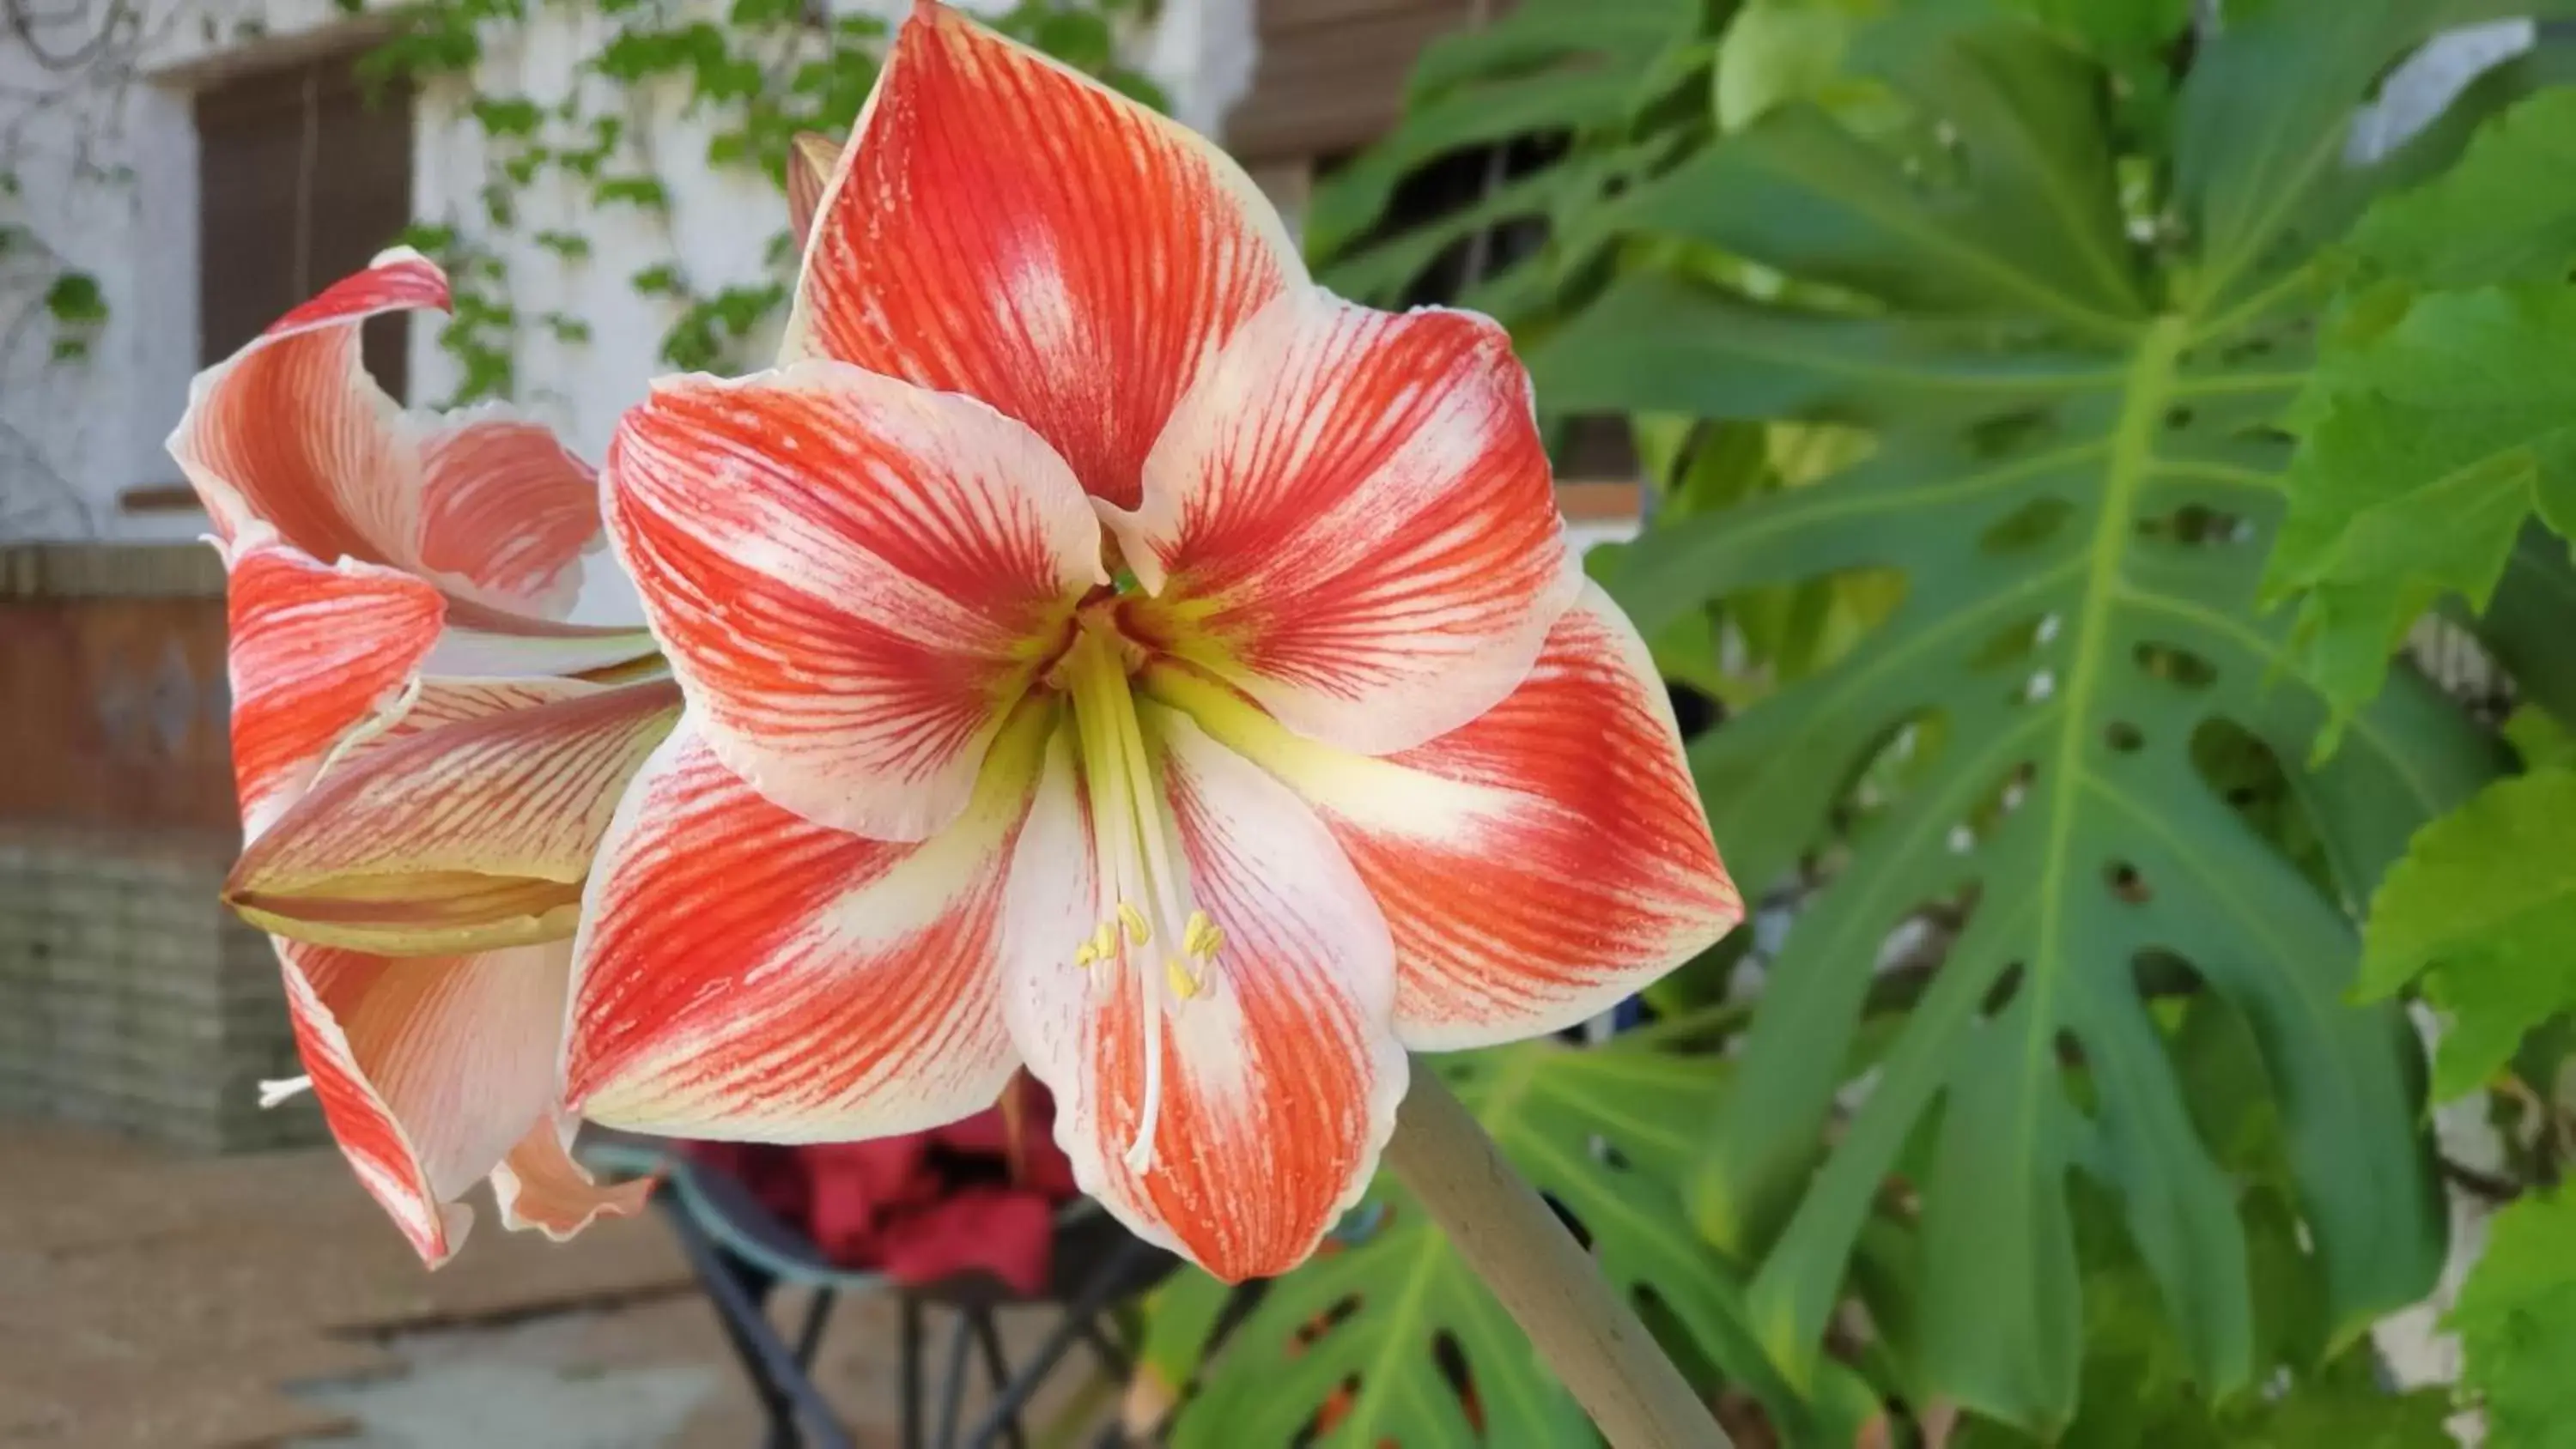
[1330,75]
[301,180]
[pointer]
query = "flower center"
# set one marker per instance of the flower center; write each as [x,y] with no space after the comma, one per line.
[1148,921]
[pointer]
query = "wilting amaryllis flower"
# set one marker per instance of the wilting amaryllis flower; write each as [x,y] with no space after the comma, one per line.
[1107,650]
[419,769]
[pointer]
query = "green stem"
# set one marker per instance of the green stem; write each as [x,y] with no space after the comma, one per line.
[1584,1332]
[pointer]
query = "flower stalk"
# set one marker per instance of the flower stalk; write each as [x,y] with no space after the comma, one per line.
[1593,1341]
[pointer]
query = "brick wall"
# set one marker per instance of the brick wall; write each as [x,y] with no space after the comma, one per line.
[129,997]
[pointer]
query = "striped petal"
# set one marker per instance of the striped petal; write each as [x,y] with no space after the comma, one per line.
[506,511]
[1003,227]
[1536,865]
[1276,1085]
[1352,519]
[429,1071]
[292,432]
[854,579]
[316,651]
[461,837]
[745,974]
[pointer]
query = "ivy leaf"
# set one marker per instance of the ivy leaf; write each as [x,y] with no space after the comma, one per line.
[660,280]
[2075,479]
[2483,912]
[2516,1318]
[2431,442]
[73,299]
[507,115]
[642,191]
[1389,1337]
[571,246]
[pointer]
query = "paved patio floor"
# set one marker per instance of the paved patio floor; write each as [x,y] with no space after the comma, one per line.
[179,1303]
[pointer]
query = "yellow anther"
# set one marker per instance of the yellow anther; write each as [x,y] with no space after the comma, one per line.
[1137,931]
[1086,955]
[1104,942]
[1200,937]
[1185,982]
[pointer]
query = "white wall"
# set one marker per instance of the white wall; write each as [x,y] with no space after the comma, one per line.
[73,436]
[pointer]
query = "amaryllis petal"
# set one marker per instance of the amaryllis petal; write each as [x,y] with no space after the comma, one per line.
[1352,518]
[1537,864]
[466,837]
[428,1070]
[1277,1081]
[1005,228]
[292,432]
[316,650]
[483,643]
[746,974]
[506,510]
[854,579]
[539,1185]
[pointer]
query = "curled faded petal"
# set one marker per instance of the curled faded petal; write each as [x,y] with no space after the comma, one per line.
[290,431]
[470,835]
[1265,1095]
[429,1070]
[538,1185]
[743,973]
[316,651]
[1536,865]
[1003,227]
[1352,518]
[854,578]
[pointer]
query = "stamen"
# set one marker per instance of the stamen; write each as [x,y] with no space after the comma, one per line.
[274,1092]
[1143,892]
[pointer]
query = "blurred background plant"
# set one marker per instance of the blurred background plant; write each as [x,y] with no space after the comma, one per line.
[2104,462]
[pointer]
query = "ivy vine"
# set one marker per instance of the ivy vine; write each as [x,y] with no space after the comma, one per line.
[772,69]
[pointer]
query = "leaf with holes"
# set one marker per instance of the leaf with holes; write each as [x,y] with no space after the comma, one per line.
[1387,1336]
[2072,378]
[1582,73]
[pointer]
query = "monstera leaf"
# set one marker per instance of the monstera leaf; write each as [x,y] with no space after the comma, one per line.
[1388,1337]
[2070,326]
[1578,75]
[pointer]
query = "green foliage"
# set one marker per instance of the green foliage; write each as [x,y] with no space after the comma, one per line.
[74,300]
[2481,916]
[1592,73]
[78,309]
[2517,1324]
[772,69]
[2067,311]
[2441,416]
[2435,468]
[1372,1341]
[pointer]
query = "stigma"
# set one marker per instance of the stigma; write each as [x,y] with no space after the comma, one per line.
[1149,923]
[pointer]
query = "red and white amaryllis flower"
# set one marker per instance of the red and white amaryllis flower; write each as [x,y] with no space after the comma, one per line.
[423,768]
[1105,650]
